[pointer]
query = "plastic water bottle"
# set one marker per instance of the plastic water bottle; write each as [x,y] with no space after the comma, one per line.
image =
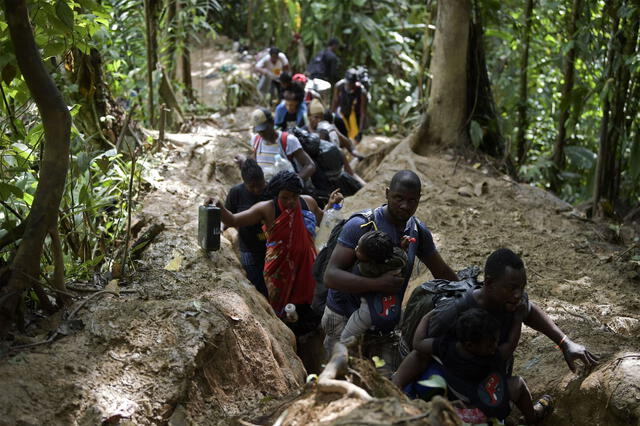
[331,218]
[269,172]
[290,312]
[281,164]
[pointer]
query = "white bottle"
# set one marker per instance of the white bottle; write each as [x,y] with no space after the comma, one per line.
[330,219]
[290,312]
[281,164]
[269,172]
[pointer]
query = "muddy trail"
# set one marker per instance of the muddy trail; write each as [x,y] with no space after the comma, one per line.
[189,341]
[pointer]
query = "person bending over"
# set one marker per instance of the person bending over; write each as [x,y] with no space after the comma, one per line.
[475,367]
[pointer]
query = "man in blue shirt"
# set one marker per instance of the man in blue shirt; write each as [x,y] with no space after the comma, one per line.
[396,219]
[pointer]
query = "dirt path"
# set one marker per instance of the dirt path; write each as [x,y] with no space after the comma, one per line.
[195,343]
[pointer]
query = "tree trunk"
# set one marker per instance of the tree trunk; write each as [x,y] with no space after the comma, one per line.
[444,121]
[151,35]
[480,104]
[56,122]
[170,63]
[96,100]
[425,64]
[605,150]
[522,122]
[558,158]
[186,69]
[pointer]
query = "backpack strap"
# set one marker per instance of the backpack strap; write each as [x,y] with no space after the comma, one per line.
[283,141]
[256,143]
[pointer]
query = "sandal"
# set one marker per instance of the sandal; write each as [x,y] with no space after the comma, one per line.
[543,407]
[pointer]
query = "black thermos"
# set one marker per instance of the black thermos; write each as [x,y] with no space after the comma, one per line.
[209,227]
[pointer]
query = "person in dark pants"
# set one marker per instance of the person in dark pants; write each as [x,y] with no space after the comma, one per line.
[252,239]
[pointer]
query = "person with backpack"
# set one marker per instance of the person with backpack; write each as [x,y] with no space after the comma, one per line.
[350,104]
[289,221]
[270,145]
[346,285]
[503,295]
[324,64]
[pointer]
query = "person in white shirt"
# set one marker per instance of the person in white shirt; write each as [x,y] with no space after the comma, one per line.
[270,67]
[268,144]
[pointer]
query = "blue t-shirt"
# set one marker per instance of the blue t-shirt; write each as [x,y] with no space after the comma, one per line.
[346,303]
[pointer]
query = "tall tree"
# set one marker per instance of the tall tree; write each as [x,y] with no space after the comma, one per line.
[151,8]
[444,121]
[523,96]
[56,121]
[558,157]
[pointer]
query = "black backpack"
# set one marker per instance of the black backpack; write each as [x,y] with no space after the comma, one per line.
[317,66]
[322,260]
[425,297]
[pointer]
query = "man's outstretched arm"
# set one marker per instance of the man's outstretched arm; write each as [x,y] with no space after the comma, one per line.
[438,267]
[540,321]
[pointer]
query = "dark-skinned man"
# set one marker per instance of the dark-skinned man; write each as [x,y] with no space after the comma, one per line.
[269,143]
[503,295]
[396,219]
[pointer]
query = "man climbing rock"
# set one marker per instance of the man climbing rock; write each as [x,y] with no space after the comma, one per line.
[503,295]
[270,67]
[396,219]
[350,104]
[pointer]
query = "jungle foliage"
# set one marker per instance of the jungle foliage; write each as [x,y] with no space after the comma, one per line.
[564,76]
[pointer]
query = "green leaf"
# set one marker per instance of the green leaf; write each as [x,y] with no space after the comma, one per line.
[7,189]
[434,381]
[64,13]
[378,362]
[475,133]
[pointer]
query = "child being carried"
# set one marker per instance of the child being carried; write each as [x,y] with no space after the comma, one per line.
[376,256]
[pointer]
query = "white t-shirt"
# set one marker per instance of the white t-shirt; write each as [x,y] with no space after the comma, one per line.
[276,68]
[266,152]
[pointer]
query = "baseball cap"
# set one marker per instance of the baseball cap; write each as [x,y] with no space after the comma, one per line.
[351,75]
[315,107]
[261,119]
[300,78]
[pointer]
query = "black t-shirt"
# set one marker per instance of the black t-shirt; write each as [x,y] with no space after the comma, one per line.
[252,238]
[290,120]
[479,380]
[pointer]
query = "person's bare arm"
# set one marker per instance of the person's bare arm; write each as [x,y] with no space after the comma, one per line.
[421,330]
[252,216]
[338,277]
[363,108]
[307,164]
[540,321]
[314,208]
[334,103]
[438,267]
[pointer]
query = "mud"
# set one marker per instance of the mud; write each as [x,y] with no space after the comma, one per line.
[196,344]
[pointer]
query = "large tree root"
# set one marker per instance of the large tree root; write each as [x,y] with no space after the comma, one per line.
[337,366]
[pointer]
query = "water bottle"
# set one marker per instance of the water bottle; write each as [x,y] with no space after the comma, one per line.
[281,164]
[269,172]
[290,313]
[331,218]
[209,227]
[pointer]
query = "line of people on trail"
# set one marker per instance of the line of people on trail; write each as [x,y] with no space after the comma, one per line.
[465,331]
[295,91]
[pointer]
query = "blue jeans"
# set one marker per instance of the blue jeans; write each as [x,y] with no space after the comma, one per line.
[253,264]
